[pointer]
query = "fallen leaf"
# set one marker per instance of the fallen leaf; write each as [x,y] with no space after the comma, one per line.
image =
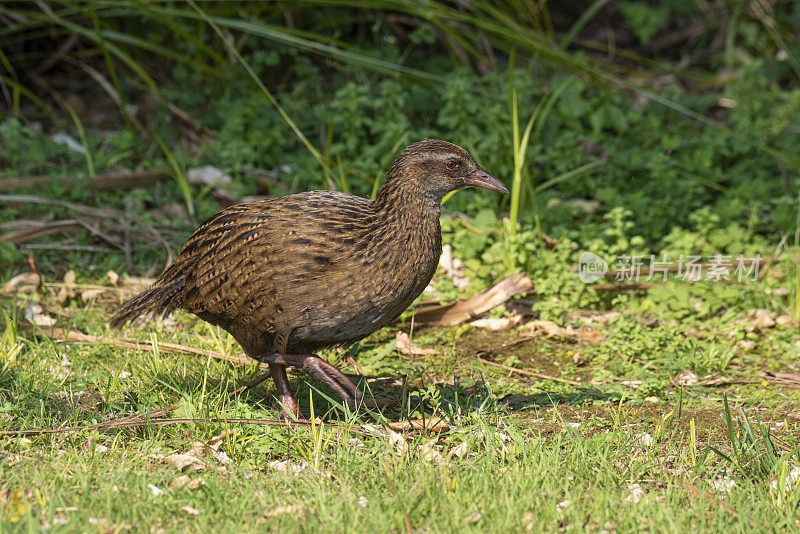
[207,175]
[636,493]
[34,314]
[113,277]
[686,378]
[470,308]
[596,317]
[528,521]
[187,482]
[288,509]
[64,293]
[431,424]
[288,467]
[757,319]
[460,450]
[429,452]
[500,324]
[397,441]
[221,457]
[453,267]
[551,329]
[155,490]
[89,294]
[587,333]
[474,517]
[405,346]
[185,462]
[644,440]
[194,512]
[789,482]
[724,485]
[23,283]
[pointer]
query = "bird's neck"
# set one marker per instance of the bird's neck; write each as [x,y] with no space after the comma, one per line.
[402,194]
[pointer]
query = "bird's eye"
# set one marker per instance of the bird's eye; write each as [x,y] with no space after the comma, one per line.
[452,164]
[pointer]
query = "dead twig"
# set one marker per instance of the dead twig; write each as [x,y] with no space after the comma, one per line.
[470,308]
[530,373]
[111,181]
[130,422]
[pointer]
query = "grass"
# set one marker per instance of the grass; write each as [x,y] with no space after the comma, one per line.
[522,454]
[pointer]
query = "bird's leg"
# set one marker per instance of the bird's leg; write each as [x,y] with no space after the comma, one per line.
[333,372]
[319,368]
[289,407]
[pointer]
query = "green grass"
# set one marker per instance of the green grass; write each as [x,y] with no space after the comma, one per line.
[534,455]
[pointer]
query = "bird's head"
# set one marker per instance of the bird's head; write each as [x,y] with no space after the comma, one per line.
[437,167]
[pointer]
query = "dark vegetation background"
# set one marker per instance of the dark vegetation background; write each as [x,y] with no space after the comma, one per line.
[652,126]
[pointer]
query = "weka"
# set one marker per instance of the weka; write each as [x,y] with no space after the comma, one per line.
[289,276]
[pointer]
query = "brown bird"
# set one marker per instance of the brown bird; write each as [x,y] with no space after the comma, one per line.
[292,275]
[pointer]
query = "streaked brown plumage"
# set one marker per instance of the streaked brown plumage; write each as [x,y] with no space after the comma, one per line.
[289,276]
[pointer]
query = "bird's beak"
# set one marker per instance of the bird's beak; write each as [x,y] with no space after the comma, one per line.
[481,178]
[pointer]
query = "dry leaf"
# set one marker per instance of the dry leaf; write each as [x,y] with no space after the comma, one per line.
[113,277]
[194,512]
[397,441]
[34,313]
[453,267]
[288,467]
[89,294]
[185,481]
[23,283]
[686,378]
[644,440]
[155,490]
[460,450]
[302,511]
[757,319]
[429,452]
[528,521]
[64,293]
[470,308]
[184,462]
[405,346]
[636,493]
[431,424]
[69,277]
[597,317]
[724,485]
[208,175]
[551,329]
[587,333]
[500,324]
[222,457]
[474,517]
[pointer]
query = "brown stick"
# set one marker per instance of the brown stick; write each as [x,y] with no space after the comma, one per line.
[139,344]
[133,423]
[530,373]
[112,181]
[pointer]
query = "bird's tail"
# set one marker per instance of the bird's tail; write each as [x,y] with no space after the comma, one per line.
[158,299]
